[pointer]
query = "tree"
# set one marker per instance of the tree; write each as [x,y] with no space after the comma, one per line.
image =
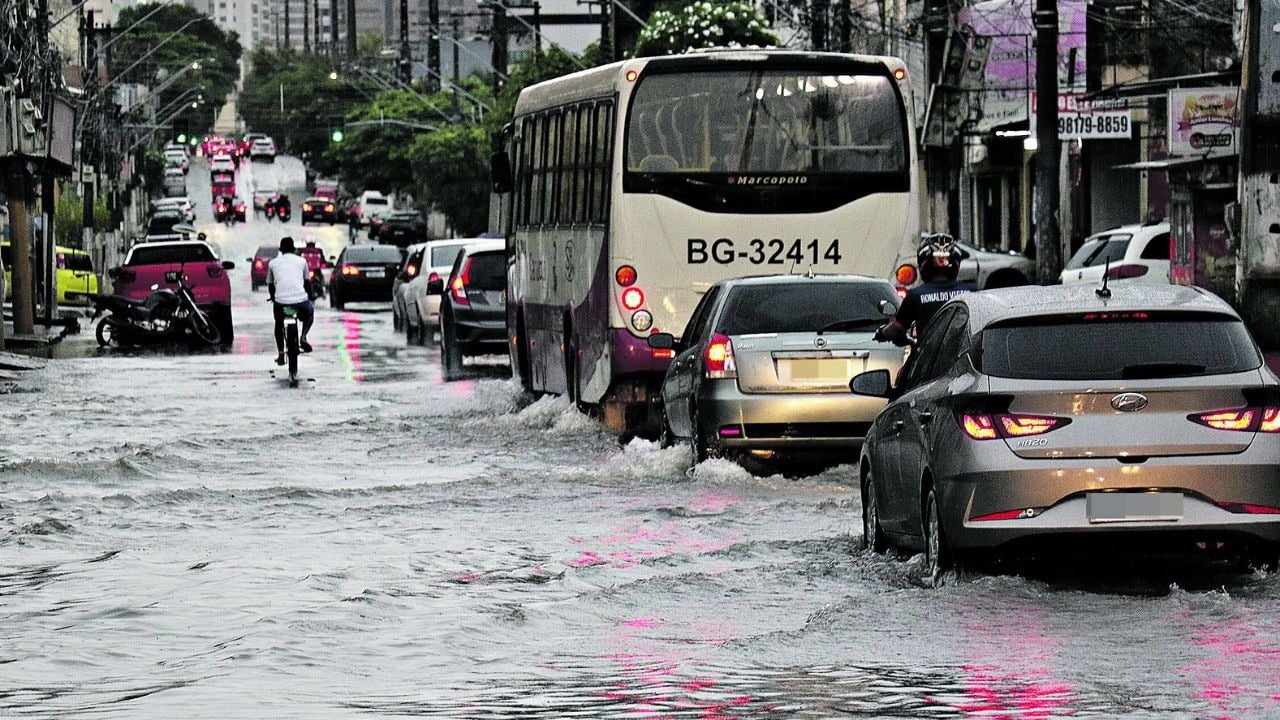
[197,40]
[703,25]
[290,96]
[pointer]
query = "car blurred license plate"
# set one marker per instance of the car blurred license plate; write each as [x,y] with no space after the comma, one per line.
[820,369]
[375,273]
[1130,506]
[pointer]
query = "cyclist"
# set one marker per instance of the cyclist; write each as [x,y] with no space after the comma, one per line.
[939,261]
[287,285]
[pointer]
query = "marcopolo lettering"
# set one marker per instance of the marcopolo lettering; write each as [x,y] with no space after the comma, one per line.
[768,180]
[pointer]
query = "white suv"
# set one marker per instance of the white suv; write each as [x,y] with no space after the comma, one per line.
[263,148]
[1134,253]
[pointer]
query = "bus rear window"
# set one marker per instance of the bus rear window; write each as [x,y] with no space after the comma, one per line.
[766,122]
[1128,346]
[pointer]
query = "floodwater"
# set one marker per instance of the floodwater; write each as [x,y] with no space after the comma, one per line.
[182,535]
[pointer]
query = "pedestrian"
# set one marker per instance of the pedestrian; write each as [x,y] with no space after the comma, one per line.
[353,224]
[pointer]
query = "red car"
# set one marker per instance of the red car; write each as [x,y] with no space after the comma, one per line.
[147,263]
[258,265]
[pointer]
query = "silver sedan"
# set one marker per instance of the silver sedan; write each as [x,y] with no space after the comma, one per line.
[764,363]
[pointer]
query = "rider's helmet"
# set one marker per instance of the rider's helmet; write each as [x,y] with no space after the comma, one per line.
[939,257]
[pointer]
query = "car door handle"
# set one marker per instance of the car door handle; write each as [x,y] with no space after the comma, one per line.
[924,417]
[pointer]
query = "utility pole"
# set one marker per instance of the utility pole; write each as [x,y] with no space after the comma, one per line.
[1047,198]
[433,45]
[306,28]
[315,17]
[499,61]
[1258,190]
[606,36]
[351,29]
[537,26]
[457,72]
[20,238]
[288,40]
[406,60]
[333,27]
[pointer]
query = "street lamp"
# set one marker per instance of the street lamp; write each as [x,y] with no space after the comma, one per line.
[169,81]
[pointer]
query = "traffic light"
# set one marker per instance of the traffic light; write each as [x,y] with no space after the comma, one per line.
[182,138]
[337,135]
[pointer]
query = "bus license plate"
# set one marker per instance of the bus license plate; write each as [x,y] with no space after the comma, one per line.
[1133,507]
[800,252]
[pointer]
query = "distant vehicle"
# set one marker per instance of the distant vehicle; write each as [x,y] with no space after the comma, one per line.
[402,305]
[258,265]
[76,278]
[246,143]
[177,158]
[166,224]
[438,260]
[991,269]
[263,198]
[222,183]
[262,149]
[222,163]
[181,204]
[229,208]
[763,366]
[697,168]
[148,264]
[174,182]
[319,209]
[363,273]
[371,202]
[326,188]
[403,228]
[316,264]
[473,307]
[999,438]
[177,146]
[1131,253]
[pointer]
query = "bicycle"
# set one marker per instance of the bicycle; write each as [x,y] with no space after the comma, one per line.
[291,346]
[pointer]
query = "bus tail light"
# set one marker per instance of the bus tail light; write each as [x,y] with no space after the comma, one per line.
[625,276]
[719,358]
[458,288]
[632,298]
[905,274]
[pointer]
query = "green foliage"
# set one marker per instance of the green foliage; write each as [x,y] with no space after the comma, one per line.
[201,41]
[68,217]
[704,25]
[313,103]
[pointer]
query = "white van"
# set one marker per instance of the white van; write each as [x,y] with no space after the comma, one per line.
[373,203]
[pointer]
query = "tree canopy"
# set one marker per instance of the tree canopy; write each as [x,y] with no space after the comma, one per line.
[703,25]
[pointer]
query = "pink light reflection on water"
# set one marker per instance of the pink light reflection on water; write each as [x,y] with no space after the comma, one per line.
[1240,675]
[636,542]
[349,349]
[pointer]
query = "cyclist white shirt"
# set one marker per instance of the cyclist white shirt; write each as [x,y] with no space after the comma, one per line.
[288,272]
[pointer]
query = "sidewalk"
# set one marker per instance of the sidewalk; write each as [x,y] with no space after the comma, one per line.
[20,348]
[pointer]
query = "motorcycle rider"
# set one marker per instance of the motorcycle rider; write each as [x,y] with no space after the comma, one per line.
[939,261]
[283,207]
[287,285]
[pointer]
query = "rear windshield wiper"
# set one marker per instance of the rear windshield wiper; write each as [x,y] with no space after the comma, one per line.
[852,323]
[1139,371]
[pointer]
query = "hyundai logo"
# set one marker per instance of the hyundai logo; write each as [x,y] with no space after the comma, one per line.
[1129,402]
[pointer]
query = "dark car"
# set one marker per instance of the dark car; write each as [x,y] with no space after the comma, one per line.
[1028,420]
[363,273]
[402,229]
[318,209]
[258,265]
[473,314]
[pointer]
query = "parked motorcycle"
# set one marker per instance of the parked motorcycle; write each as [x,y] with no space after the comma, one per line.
[165,315]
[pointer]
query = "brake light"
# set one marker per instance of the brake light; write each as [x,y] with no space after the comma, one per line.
[981,426]
[1250,419]
[902,293]
[458,288]
[411,270]
[306,206]
[632,298]
[126,276]
[215,271]
[259,263]
[1004,515]
[328,208]
[1249,509]
[625,276]
[906,274]
[662,353]
[240,207]
[719,357]
[350,270]
[434,276]
[1121,272]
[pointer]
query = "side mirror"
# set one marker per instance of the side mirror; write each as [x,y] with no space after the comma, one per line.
[887,309]
[113,273]
[662,341]
[875,383]
[500,172]
[435,287]
[228,265]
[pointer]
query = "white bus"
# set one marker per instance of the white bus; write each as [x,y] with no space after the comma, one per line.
[637,185]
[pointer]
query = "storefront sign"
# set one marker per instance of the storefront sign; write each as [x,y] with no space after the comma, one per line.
[1204,121]
[1095,119]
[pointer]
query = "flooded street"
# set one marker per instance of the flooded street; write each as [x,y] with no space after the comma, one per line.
[182,535]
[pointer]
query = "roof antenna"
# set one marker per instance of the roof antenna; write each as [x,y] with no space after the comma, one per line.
[1104,292]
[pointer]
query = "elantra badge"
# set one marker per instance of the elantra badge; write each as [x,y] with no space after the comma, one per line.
[1129,402]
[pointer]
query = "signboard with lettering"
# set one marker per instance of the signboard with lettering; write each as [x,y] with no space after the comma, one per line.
[1204,121]
[1094,119]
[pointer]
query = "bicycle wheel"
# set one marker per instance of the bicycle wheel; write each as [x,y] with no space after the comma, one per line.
[291,348]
